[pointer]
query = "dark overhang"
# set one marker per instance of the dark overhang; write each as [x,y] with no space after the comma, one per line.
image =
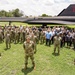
[41,20]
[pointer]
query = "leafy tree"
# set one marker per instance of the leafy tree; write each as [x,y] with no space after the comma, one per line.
[2,13]
[44,15]
[17,13]
[13,13]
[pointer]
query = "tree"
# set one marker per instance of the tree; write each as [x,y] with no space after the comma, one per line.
[10,14]
[17,13]
[44,15]
[13,13]
[2,13]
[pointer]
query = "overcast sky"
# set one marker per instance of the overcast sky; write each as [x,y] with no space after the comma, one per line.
[36,7]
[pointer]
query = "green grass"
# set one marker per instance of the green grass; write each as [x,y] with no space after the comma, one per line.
[12,61]
[25,24]
[17,24]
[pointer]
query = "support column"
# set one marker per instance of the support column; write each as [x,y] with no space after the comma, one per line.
[9,23]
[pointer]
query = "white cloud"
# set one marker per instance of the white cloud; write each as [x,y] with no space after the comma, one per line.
[36,7]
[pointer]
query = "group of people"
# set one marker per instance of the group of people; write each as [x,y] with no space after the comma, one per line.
[31,36]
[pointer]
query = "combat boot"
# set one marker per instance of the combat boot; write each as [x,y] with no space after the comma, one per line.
[25,67]
[0,55]
[34,66]
[74,61]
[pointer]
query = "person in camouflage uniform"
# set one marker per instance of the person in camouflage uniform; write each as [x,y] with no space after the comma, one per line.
[7,39]
[34,39]
[42,37]
[24,34]
[21,35]
[57,40]
[16,36]
[36,33]
[29,51]
[12,34]
[1,35]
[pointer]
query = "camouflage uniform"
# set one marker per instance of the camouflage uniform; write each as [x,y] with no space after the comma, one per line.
[24,35]
[1,36]
[34,39]
[12,35]
[7,39]
[37,35]
[21,36]
[42,37]
[29,52]
[16,36]
[57,41]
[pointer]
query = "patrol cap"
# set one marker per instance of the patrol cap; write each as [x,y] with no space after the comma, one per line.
[28,37]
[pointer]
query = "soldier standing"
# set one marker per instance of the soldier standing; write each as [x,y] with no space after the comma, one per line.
[1,36]
[34,39]
[16,36]
[57,40]
[7,40]
[12,34]
[21,35]
[29,52]
[42,37]
[37,35]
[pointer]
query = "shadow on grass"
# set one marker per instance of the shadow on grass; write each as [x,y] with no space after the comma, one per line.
[28,70]
[55,54]
[6,49]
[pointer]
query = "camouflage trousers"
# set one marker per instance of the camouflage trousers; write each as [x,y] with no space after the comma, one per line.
[35,46]
[57,47]
[8,44]
[16,39]
[1,38]
[32,59]
[42,40]
[37,40]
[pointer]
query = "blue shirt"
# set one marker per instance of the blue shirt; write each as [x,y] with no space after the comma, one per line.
[48,35]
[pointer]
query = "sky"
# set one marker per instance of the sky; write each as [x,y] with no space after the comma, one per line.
[36,7]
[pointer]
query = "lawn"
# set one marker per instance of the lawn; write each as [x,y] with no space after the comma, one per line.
[17,24]
[25,24]
[12,61]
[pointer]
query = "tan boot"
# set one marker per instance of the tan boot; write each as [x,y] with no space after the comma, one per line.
[34,66]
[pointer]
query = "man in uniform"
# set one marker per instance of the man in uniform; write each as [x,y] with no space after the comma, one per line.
[34,39]
[29,52]
[16,36]
[57,40]
[42,37]
[37,35]
[1,36]
[12,34]
[7,39]
[21,35]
